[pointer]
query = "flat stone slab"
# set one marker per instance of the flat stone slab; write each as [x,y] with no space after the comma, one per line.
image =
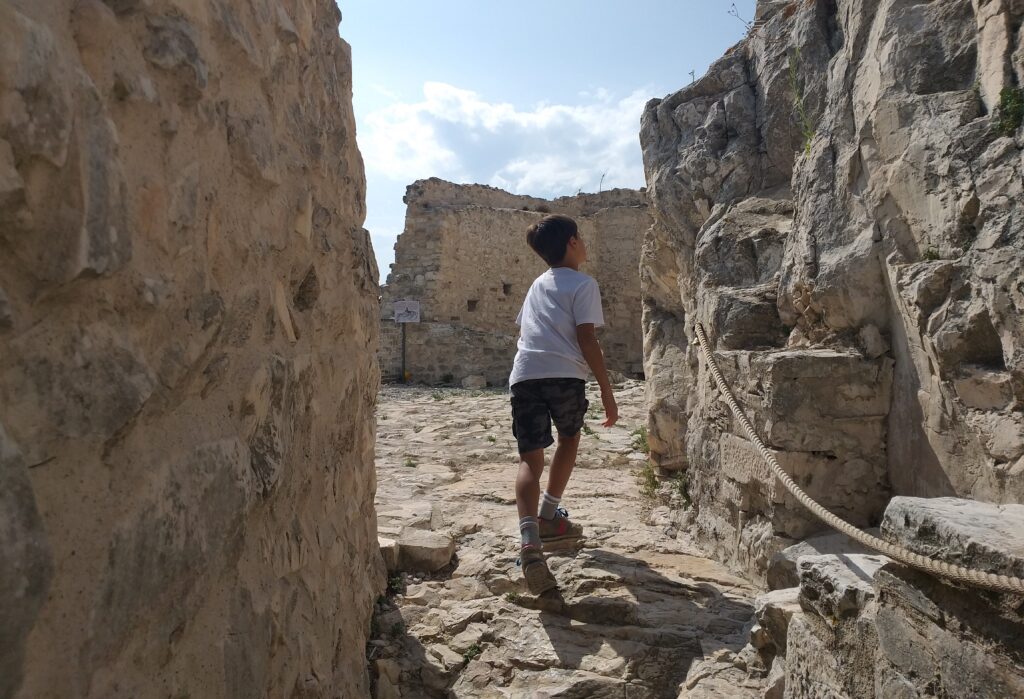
[973,534]
[782,571]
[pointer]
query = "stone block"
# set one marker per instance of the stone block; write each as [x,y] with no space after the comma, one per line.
[424,551]
[782,571]
[851,487]
[838,586]
[978,535]
[823,400]
[389,552]
[773,611]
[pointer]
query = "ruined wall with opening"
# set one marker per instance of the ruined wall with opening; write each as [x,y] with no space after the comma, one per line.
[188,321]
[838,201]
[463,255]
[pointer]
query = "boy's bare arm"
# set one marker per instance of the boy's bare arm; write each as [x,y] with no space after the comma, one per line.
[586,335]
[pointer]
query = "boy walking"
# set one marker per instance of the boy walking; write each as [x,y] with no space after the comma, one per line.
[557,342]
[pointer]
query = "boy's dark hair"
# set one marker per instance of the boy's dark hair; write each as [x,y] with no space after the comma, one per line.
[550,236]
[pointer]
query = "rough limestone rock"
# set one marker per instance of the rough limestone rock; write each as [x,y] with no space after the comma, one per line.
[846,181]
[871,628]
[463,256]
[188,322]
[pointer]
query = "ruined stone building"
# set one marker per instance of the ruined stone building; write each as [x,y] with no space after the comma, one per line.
[463,256]
[839,203]
[188,319]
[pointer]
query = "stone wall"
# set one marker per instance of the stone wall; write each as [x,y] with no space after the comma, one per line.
[838,202]
[463,255]
[188,320]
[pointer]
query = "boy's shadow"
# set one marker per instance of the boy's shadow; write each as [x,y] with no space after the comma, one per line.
[654,623]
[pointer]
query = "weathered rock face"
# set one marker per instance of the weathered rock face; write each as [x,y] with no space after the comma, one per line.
[463,256]
[869,627]
[841,195]
[188,318]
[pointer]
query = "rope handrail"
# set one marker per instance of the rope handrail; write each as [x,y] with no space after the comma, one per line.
[990,581]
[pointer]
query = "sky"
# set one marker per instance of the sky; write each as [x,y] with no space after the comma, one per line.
[535,97]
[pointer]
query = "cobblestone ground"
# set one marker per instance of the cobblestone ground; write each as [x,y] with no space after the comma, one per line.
[640,612]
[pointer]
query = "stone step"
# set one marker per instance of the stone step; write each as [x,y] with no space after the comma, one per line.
[973,534]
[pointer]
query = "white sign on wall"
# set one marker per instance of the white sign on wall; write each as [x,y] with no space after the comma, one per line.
[407,311]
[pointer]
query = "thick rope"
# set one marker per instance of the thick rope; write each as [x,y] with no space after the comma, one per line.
[990,581]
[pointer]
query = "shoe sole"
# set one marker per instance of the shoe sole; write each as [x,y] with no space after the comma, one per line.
[538,578]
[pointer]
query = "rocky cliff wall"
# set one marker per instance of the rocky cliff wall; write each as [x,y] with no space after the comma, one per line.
[463,255]
[188,317]
[838,201]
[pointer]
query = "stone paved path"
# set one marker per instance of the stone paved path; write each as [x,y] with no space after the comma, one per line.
[641,612]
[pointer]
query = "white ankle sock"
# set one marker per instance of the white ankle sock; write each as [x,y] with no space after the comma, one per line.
[529,530]
[548,505]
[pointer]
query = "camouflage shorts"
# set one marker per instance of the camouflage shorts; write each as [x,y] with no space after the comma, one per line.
[538,402]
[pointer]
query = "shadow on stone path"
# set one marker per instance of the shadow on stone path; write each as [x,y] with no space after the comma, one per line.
[638,611]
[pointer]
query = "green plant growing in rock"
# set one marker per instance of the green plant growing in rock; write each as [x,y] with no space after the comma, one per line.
[513,597]
[930,254]
[409,462]
[587,429]
[640,440]
[806,125]
[647,480]
[491,438]
[471,652]
[1010,112]
[437,395]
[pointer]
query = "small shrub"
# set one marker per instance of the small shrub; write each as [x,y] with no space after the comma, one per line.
[395,584]
[543,208]
[471,652]
[805,124]
[647,480]
[640,440]
[437,395]
[513,597]
[681,483]
[409,462]
[491,438]
[1010,112]
[587,430]
[417,429]
[930,254]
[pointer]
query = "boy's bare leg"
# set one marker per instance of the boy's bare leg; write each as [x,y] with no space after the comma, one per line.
[531,467]
[561,464]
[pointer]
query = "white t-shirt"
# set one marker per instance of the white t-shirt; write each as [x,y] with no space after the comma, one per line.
[558,301]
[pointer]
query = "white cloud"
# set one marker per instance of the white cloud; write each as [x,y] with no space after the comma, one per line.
[547,150]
